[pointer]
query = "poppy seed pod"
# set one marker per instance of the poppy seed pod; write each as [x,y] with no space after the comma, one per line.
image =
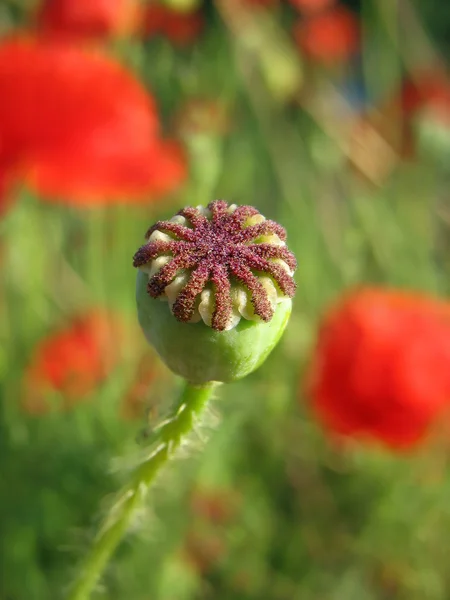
[214,290]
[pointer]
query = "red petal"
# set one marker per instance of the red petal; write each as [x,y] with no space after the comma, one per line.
[179,28]
[329,37]
[157,170]
[87,18]
[80,123]
[73,360]
[381,368]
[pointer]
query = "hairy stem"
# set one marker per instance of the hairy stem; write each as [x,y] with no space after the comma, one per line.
[170,434]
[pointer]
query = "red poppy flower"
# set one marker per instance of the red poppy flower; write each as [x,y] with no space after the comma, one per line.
[381,369]
[72,361]
[431,87]
[312,6]
[79,127]
[179,27]
[87,18]
[330,37]
[425,101]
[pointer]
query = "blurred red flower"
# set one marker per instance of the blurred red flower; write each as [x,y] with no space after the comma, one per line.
[79,128]
[381,368]
[425,100]
[312,6]
[430,87]
[90,19]
[72,361]
[181,28]
[330,37]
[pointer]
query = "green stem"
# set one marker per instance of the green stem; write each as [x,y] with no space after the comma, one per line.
[171,433]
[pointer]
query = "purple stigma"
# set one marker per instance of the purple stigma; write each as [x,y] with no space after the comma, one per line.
[220,250]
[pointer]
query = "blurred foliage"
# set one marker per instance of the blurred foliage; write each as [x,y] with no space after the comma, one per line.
[269,508]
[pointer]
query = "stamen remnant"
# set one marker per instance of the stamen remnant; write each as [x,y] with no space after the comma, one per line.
[230,260]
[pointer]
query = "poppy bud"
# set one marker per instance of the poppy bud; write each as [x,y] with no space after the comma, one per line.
[214,290]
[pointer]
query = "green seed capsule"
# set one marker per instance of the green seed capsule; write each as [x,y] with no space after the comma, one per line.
[214,290]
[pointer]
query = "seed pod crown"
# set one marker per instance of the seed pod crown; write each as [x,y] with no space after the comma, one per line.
[218,264]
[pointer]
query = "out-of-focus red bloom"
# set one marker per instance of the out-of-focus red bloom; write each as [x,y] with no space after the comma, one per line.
[79,128]
[72,361]
[330,37]
[428,88]
[381,369]
[87,19]
[312,6]
[154,19]
[179,27]
[425,102]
